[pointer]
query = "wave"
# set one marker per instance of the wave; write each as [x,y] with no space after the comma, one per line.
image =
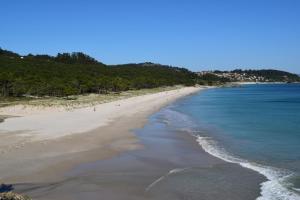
[173,171]
[275,188]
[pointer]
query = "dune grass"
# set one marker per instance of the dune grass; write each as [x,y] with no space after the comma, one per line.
[80,101]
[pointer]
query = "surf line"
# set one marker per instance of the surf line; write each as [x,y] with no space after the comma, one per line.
[173,171]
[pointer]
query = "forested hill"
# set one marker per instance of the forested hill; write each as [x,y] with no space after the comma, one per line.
[263,75]
[77,73]
[270,75]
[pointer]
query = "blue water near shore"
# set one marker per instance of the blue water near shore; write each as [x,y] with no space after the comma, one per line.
[255,126]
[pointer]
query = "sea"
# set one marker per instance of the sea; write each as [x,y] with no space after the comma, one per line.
[233,143]
[256,126]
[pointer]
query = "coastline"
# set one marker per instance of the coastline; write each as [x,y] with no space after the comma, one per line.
[48,144]
[48,159]
[278,179]
[170,165]
[261,83]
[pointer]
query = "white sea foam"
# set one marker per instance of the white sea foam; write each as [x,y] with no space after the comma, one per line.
[275,188]
[272,189]
[173,171]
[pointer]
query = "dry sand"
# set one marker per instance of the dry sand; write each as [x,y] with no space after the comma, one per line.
[41,145]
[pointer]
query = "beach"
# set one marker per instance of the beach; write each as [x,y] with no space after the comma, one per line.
[40,146]
[150,100]
[171,165]
[132,152]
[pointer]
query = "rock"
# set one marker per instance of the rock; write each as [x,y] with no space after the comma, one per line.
[12,196]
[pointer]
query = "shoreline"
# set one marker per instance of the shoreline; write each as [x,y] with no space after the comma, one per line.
[277,179]
[44,105]
[88,118]
[262,83]
[47,145]
[168,157]
[271,187]
[100,148]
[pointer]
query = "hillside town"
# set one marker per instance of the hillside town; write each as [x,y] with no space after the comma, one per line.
[235,77]
[252,75]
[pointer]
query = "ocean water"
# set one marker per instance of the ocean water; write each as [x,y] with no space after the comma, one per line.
[255,126]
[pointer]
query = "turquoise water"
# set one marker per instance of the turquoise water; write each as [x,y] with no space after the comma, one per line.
[256,126]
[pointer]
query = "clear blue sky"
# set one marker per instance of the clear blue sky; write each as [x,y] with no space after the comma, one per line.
[199,35]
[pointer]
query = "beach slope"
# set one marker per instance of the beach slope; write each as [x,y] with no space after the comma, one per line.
[40,146]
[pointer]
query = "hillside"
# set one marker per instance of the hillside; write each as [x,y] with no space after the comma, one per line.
[77,73]
[264,75]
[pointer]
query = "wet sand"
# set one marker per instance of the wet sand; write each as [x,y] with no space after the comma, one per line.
[169,165]
[40,147]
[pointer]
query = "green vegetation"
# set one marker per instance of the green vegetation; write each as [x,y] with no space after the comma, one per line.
[212,79]
[78,101]
[272,75]
[68,74]
[76,74]
[264,75]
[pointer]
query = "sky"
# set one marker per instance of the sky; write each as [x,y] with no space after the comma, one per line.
[196,34]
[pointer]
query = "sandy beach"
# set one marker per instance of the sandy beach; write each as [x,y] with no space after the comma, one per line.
[40,146]
[164,163]
[118,150]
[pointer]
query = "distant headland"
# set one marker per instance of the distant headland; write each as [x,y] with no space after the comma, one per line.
[77,73]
